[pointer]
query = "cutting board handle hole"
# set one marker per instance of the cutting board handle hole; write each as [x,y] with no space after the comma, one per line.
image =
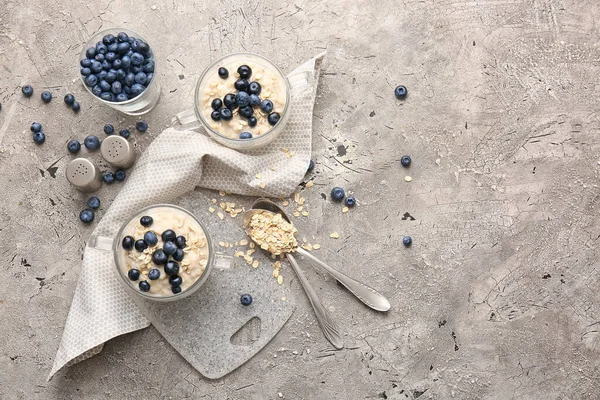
[247,334]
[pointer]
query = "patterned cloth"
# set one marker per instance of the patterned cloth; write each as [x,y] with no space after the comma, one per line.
[174,164]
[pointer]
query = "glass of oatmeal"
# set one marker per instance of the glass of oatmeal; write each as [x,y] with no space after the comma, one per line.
[164,253]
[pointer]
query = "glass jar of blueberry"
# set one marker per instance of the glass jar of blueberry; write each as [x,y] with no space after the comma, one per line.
[118,67]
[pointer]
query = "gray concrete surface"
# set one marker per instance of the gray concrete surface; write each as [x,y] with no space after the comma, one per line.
[496,299]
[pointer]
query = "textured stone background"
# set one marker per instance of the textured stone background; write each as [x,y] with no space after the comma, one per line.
[496,299]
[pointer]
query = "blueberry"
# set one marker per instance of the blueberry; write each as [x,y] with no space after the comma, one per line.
[242,99]
[229,101]
[337,194]
[241,84]
[130,79]
[85,62]
[116,87]
[107,96]
[126,60]
[140,78]
[223,73]
[266,106]
[246,299]
[118,64]
[169,248]
[91,142]
[350,201]
[108,177]
[149,77]
[160,258]
[168,236]
[69,99]
[91,80]
[146,221]
[215,115]
[150,238]
[109,129]
[101,75]
[154,274]
[47,96]
[180,242]
[39,137]
[91,52]
[112,48]
[110,78]
[137,89]
[244,71]
[245,135]
[75,106]
[273,118]
[216,104]
[120,175]
[74,146]
[246,112]
[135,70]
[122,97]
[171,267]
[85,71]
[175,280]
[179,254]
[94,203]
[252,121]
[100,57]
[254,100]
[27,90]
[144,286]
[122,37]
[405,161]
[133,274]
[254,88]
[110,56]
[140,245]
[140,46]
[96,66]
[86,216]
[226,114]
[101,48]
[120,73]
[36,127]
[407,241]
[106,65]
[125,133]
[400,92]
[141,126]
[137,59]
[176,289]
[97,90]
[104,86]
[149,66]
[311,166]
[108,39]
[123,48]
[127,242]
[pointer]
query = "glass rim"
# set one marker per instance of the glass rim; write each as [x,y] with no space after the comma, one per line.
[201,118]
[201,279]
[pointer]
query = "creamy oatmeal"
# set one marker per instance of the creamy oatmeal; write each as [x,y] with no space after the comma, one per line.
[251,81]
[164,252]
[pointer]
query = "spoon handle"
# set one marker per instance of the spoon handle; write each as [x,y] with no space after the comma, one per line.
[364,293]
[327,324]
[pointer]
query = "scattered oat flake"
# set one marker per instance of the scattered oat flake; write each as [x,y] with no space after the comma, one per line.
[280,280]
[238,254]
[211,209]
[284,150]
[262,185]
[299,208]
[220,215]
[345,209]
[304,240]
[305,213]
[407,178]
[308,247]
[285,203]
[258,176]
[243,242]
[214,201]
[222,244]
[335,235]
[296,214]
[255,264]
[273,169]
[252,245]
[275,272]
[221,194]
[283,298]
[316,246]
[309,184]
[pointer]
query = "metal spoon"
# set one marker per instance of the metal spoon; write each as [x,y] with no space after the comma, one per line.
[327,324]
[364,293]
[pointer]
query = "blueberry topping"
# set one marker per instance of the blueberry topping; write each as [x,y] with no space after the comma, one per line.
[94,203]
[242,99]
[126,62]
[86,216]
[39,137]
[400,92]
[125,133]
[97,90]
[110,56]
[27,90]
[146,221]
[107,96]
[141,126]
[254,100]
[85,62]
[168,236]
[252,121]
[337,194]
[36,127]
[245,135]
[350,201]
[74,146]
[110,78]
[154,274]
[96,66]
[116,88]
[91,142]
[241,84]
[104,85]
[247,111]
[134,274]
[148,67]
[179,254]
[273,118]
[108,39]
[75,106]
[175,280]
[122,37]
[246,299]
[215,115]
[144,286]
[137,59]
[129,79]
[123,48]
[223,73]
[150,238]
[101,48]
[229,101]
[91,52]
[109,129]
[140,46]
[226,114]
[137,89]
[121,97]
[176,289]
[159,258]
[108,177]
[266,106]
[169,248]
[128,242]
[140,78]
[254,88]
[85,71]
[171,267]
[69,99]
[47,96]
[311,166]
[100,58]
[106,65]
[244,71]
[140,245]
[118,64]
[405,161]
[407,241]
[120,175]
[216,104]
[180,242]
